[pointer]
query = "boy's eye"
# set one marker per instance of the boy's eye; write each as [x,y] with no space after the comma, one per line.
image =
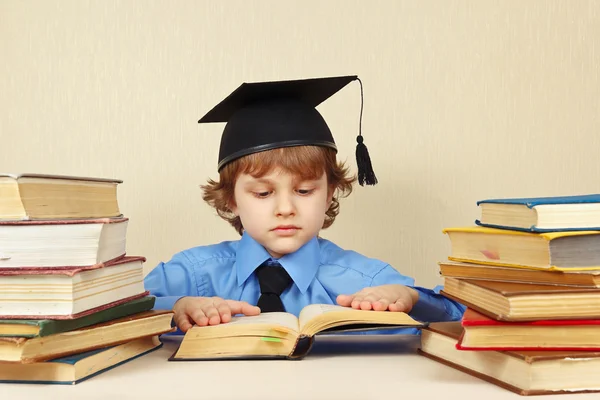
[305,192]
[261,195]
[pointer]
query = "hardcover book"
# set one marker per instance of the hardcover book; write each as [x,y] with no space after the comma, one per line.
[61,243]
[483,333]
[38,196]
[76,368]
[47,293]
[542,214]
[37,349]
[510,301]
[29,328]
[455,269]
[281,335]
[563,251]
[523,372]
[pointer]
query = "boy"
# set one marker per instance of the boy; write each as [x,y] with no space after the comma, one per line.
[279,185]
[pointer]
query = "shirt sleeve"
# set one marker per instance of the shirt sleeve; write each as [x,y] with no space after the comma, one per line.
[431,306]
[434,307]
[171,281]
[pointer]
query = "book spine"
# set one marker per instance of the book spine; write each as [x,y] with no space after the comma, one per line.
[50,327]
[302,348]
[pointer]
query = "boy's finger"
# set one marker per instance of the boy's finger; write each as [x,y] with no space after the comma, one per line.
[249,309]
[344,300]
[224,311]
[366,305]
[371,297]
[183,322]
[199,317]
[356,300]
[401,305]
[242,307]
[381,304]
[213,315]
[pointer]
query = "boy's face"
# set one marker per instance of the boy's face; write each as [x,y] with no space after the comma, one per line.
[280,211]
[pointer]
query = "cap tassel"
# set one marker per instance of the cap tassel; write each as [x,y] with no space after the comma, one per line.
[365,168]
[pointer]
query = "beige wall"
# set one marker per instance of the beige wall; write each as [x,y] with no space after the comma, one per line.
[464,100]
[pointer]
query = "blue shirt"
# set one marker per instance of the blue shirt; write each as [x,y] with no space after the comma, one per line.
[320,270]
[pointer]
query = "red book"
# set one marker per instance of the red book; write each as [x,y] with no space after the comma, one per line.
[524,372]
[483,333]
[67,293]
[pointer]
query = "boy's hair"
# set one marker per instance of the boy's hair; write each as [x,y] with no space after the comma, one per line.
[307,162]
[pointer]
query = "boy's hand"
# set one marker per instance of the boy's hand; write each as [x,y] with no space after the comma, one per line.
[381,298]
[204,311]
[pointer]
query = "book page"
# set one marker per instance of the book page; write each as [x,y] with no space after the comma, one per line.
[284,319]
[314,310]
[316,318]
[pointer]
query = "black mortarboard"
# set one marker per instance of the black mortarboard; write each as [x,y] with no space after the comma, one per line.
[268,115]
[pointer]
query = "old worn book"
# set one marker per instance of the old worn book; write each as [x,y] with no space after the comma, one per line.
[511,301]
[573,250]
[38,196]
[72,243]
[29,328]
[281,335]
[76,368]
[523,372]
[483,333]
[46,293]
[23,350]
[456,269]
[542,214]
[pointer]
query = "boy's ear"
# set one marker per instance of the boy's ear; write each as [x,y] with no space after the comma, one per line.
[233,208]
[330,192]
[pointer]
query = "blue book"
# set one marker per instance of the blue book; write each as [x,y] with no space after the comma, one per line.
[542,214]
[78,367]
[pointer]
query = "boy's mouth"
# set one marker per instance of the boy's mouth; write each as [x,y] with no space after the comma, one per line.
[285,230]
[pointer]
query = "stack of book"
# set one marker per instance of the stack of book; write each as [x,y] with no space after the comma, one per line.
[72,302]
[529,274]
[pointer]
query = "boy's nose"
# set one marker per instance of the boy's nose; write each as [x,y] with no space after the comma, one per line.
[285,205]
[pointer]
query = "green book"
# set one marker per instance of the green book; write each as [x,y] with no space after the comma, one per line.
[29,328]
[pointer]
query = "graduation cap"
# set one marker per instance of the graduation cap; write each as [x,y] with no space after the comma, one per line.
[268,115]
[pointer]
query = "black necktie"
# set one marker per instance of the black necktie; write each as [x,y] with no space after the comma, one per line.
[273,280]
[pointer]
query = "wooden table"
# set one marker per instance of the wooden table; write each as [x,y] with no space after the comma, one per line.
[351,367]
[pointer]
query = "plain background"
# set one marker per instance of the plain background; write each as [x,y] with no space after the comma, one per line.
[464,100]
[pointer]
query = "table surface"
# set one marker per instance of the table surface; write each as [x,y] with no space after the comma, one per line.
[338,367]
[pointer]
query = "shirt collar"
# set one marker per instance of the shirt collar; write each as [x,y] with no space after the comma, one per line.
[250,254]
[302,265]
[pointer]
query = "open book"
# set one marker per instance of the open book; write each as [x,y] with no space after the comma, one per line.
[281,335]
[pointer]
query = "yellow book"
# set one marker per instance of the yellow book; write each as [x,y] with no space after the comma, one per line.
[454,269]
[512,301]
[562,251]
[523,372]
[38,197]
[76,368]
[109,333]
[280,334]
